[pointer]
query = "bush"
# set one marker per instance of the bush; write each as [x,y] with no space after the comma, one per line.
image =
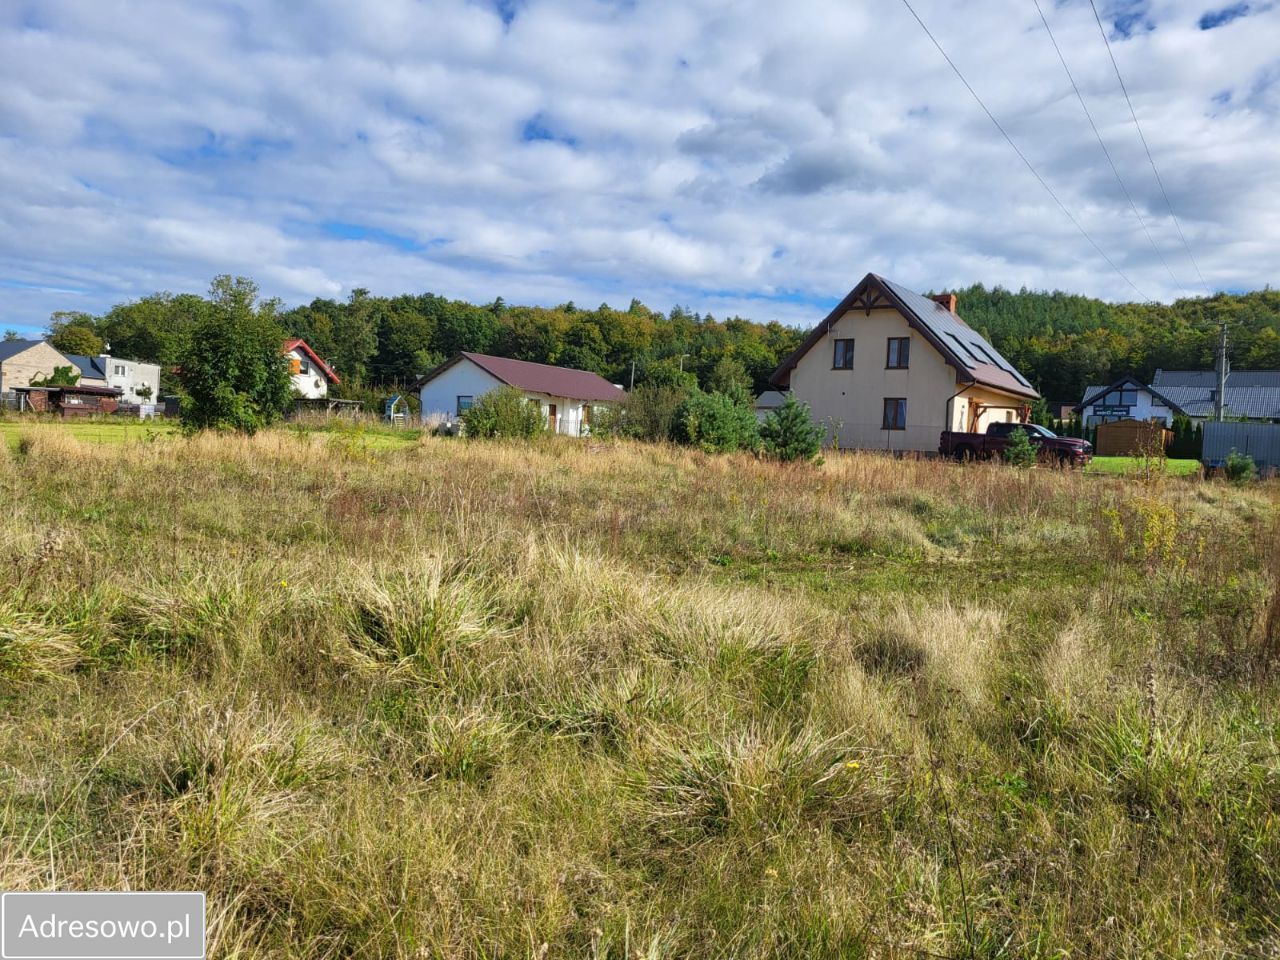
[1188,439]
[1020,452]
[235,376]
[1239,467]
[649,413]
[61,377]
[504,412]
[719,422]
[789,433]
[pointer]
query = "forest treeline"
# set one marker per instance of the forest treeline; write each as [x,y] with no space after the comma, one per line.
[1060,341]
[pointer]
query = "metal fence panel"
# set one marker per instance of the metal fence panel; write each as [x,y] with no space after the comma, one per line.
[1259,440]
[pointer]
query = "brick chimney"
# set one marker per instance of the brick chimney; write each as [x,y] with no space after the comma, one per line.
[948,300]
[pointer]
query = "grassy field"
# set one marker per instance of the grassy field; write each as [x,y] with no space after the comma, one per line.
[1133,466]
[115,430]
[434,698]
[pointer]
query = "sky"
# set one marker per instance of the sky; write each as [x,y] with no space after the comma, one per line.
[743,157]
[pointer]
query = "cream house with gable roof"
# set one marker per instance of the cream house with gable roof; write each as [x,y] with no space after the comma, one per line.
[22,361]
[890,369]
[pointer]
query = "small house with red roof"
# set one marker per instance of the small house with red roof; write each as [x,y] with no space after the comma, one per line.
[311,376]
[567,399]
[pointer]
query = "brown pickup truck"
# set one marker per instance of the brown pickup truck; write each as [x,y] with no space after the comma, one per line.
[1068,451]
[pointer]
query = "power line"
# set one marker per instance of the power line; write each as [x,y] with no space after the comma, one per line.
[1004,133]
[1101,143]
[1133,113]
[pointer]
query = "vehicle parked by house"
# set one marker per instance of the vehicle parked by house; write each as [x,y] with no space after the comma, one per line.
[1069,451]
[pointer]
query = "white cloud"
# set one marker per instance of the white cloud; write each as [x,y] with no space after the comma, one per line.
[758,158]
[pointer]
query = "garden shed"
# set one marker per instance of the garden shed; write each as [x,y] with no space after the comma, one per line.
[69,401]
[1128,438]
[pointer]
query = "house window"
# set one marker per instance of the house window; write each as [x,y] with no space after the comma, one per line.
[842,358]
[895,414]
[304,367]
[1121,398]
[120,371]
[464,403]
[898,354]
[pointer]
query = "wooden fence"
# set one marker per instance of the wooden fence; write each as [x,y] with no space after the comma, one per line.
[1129,438]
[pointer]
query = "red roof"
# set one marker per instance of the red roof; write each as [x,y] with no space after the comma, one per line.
[297,343]
[538,378]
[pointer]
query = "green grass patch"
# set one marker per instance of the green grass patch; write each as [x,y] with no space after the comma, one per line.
[114,430]
[1129,466]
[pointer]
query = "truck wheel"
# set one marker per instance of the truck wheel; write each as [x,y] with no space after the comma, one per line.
[964,453]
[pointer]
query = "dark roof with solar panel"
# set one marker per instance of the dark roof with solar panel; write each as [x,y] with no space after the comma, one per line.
[975,360]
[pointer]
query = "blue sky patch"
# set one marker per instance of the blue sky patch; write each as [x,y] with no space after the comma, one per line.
[536,128]
[1129,18]
[211,149]
[506,9]
[355,231]
[1220,18]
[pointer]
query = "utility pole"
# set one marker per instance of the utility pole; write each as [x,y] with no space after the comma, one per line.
[1219,395]
[632,388]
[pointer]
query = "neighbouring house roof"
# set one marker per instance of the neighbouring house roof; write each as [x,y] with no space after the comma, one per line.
[770,400]
[535,377]
[1095,393]
[297,343]
[91,367]
[974,359]
[1255,403]
[89,391]
[11,348]
[1209,378]
[1254,394]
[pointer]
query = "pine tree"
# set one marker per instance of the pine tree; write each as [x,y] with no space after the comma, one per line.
[1020,452]
[789,433]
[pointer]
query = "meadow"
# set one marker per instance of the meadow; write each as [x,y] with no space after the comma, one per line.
[426,697]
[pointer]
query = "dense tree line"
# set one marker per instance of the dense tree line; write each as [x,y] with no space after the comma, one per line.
[383,342]
[1060,341]
[1063,342]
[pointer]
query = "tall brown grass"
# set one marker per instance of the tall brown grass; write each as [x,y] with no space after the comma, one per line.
[457,699]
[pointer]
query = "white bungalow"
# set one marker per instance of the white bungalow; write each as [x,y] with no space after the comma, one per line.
[567,398]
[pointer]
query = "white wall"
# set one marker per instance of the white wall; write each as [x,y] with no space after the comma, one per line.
[569,419]
[439,396]
[129,375]
[311,383]
[1146,408]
